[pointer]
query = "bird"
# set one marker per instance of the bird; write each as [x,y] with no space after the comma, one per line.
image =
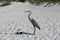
[33,22]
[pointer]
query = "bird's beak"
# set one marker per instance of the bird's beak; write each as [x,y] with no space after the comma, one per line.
[25,11]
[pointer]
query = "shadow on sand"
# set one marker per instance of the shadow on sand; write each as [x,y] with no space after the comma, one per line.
[19,33]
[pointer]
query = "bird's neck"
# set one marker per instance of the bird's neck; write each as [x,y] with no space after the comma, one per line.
[29,15]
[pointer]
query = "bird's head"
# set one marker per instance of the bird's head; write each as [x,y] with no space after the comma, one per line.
[28,12]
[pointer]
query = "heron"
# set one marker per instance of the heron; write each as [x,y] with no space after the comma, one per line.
[33,22]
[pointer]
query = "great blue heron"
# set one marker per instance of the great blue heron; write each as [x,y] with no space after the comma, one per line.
[34,23]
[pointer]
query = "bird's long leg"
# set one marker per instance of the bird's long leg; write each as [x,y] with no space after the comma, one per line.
[34,30]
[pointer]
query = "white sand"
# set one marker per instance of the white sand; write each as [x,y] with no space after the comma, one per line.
[12,18]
